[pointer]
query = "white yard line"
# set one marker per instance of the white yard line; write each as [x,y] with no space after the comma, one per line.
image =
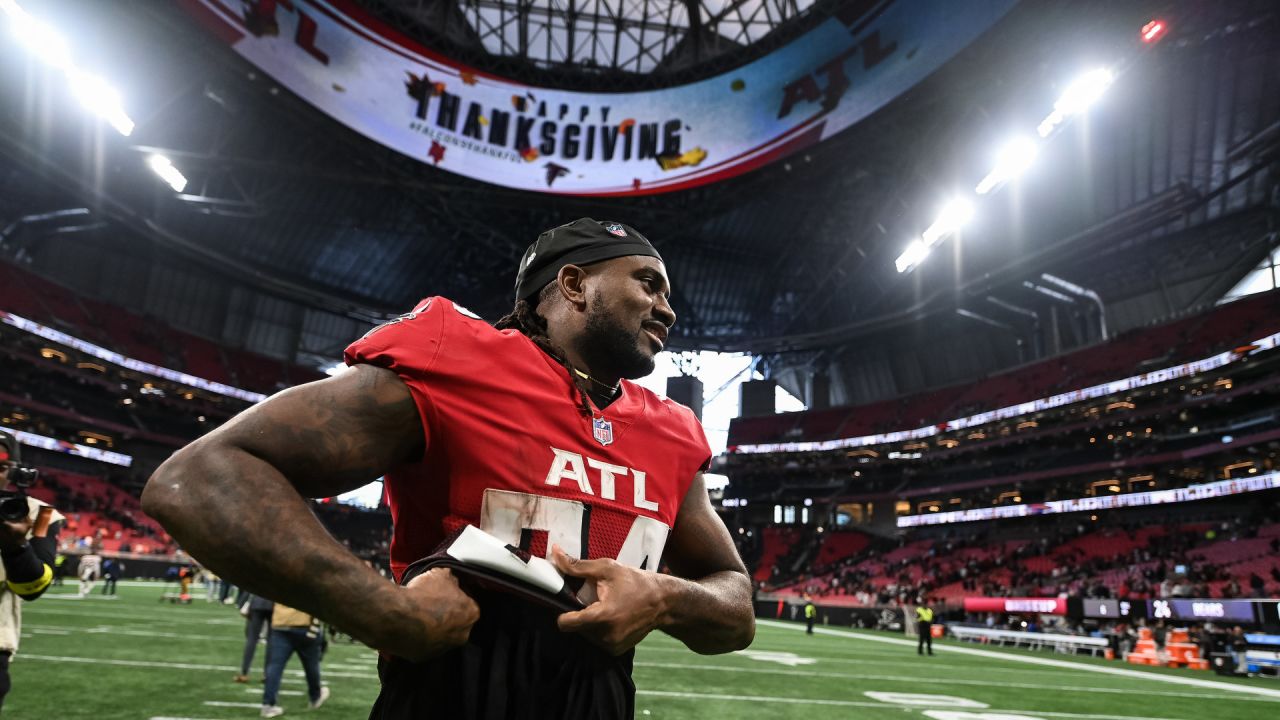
[936,680]
[648,648]
[1121,672]
[864,704]
[224,703]
[178,666]
[164,615]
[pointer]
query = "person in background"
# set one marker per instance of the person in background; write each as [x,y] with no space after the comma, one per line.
[90,568]
[27,547]
[924,627]
[810,613]
[257,613]
[185,576]
[111,569]
[1204,640]
[293,631]
[1237,645]
[1159,633]
[59,569]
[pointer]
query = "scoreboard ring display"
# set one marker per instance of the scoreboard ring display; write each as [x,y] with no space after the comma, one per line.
[1265,613]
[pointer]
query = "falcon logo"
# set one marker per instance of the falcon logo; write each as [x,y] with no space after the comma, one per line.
[615,229]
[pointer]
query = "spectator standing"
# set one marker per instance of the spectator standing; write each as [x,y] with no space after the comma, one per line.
[59,569]
[924,627]
[27,546]
[1237,645]
[257,614]
[111,569]
[90,569]
[1159,633]
[1204,639]
[293,631]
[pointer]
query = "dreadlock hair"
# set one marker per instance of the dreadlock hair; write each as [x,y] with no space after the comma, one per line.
[524,317]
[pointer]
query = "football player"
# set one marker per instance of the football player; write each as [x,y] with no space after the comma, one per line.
[528,430]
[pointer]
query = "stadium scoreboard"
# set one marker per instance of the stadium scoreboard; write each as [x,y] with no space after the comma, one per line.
[1245,612]
[1203,610]
[1108,609]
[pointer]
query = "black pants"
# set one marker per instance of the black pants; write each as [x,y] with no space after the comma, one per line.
[109,587]
[809,621]
[4,675]
[516,665]
[253,625]
[924,630]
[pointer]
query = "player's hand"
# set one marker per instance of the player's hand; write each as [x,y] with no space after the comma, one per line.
[13,533]
[631,602]
[441,616]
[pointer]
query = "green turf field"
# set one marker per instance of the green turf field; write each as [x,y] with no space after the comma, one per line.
[139,658]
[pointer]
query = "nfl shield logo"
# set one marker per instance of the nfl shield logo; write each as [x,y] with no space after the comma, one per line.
[618,230]
[602,430]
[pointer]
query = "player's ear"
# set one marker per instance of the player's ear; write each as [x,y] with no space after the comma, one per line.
[572,283]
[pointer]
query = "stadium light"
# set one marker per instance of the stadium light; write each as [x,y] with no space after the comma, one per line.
[1013,160]
[93,92]
[100,99]
[43,41]
[1077,98]
[952,217]
[167,172]
[915,254]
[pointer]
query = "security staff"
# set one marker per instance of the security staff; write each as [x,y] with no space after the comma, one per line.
[810,613]
[924,628]
[27,546]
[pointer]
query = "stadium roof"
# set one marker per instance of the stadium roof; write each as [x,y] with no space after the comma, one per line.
[578,42]
[798,255]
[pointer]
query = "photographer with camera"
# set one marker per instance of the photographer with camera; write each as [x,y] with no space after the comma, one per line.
[28,542]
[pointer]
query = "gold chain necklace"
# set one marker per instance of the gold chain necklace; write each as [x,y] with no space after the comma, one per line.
[612,389]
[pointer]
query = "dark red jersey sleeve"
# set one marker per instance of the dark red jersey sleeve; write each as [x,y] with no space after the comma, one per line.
[409,346]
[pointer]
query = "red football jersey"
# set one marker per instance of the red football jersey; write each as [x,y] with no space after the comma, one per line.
[509,451]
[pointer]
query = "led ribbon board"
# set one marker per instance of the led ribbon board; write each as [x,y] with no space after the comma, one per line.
[70,448]
[1154,377]
[399,94]
[1208,491]
[1044,606]
[128,363]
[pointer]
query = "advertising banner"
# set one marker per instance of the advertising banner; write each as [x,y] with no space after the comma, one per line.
[127,363]
[1239,611]
[1207,491]
[69,448]
[397,93]
[1043,606]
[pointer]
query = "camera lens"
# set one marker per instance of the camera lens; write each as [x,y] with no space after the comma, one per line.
[13,506]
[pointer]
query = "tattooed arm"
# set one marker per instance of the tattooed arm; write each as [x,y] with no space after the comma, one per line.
[234,500]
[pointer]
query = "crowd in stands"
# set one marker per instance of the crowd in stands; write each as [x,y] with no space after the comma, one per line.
[1236,556]
[100,514]
[147,339]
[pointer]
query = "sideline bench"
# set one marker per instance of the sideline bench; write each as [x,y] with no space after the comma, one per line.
[1071,644]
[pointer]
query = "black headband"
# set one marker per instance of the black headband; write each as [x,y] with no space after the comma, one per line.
[581,242]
